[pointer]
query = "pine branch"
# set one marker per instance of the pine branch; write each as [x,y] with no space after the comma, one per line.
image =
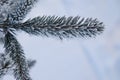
[62,27]
[12,12]
[7,65]
[14,50]
[2,65]
[19,9]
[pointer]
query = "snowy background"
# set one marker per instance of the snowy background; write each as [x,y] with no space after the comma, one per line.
[78,59]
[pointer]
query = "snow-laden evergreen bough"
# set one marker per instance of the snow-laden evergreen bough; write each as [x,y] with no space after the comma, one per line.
[7,65]
[12,13]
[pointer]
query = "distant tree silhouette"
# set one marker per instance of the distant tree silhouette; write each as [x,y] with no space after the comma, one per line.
[12,13]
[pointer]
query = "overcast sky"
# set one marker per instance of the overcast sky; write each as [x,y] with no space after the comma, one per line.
[77,59]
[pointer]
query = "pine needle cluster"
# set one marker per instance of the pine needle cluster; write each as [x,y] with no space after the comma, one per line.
[11,21]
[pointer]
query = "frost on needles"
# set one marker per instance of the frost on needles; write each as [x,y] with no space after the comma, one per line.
[12,13]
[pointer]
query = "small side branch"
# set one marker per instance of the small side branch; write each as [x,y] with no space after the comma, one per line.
[19,9]
[14,50]
[7,65]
